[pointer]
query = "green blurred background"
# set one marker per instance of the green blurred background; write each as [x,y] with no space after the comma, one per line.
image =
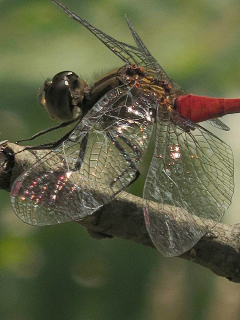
[59,272]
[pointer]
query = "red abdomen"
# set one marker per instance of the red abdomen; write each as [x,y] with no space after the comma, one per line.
[199,108]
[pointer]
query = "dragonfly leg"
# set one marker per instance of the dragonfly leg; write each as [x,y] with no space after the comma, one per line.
[118,146]
[134,148]
[127,158]
[50,145]
[62,125]
[81,152]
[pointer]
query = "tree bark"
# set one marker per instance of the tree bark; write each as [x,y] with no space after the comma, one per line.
[123,217]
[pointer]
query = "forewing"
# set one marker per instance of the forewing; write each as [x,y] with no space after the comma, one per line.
[151,63]
[190,180]
[97,161]
[129,54]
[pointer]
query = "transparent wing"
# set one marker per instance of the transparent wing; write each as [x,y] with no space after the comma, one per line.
[190,179]
[98,160]
[153,64]
[129,54]
[217,123]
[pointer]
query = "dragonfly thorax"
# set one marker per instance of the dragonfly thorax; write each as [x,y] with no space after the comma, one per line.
[66,96]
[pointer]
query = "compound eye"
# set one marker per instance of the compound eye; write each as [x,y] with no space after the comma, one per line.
[61,76]
[62,97]
[73,80]
[74,83]
[42,92]
[65,79]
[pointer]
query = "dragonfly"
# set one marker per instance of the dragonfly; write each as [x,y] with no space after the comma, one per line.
[189,183]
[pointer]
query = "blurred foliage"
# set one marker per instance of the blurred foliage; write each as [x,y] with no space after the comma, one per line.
[59,272]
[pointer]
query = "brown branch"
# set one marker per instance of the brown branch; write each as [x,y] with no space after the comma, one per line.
[123,217]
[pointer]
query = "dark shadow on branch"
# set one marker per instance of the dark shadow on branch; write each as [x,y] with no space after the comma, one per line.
[123,218]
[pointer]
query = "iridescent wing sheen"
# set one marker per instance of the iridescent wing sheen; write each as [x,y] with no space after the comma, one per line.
[190,179]
[98,160]
[129,54]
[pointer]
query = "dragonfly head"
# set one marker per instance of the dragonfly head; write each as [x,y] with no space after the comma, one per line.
[63,96]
